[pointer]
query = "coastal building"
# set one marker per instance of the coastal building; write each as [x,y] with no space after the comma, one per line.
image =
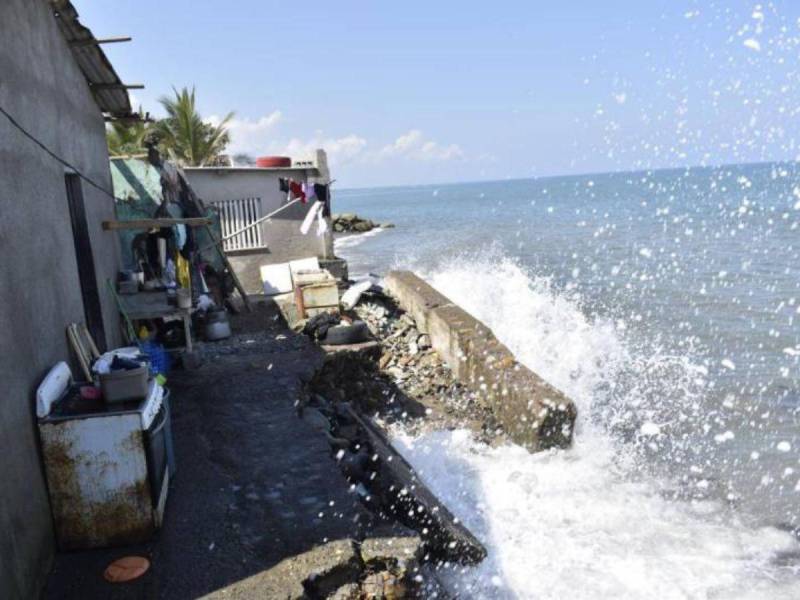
[56,87]
[243,195]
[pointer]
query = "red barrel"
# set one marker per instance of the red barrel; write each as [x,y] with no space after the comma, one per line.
[266,162]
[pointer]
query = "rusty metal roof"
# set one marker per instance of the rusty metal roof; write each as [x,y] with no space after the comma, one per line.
[109,92]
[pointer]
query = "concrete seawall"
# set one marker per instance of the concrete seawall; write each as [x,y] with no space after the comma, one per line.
[534,413]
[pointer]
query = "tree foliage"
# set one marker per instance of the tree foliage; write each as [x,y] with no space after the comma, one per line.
[126,138]
[185,136]
[182,136]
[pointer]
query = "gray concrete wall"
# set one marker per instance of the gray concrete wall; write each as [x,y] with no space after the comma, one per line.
[534,413]
[281,234]
[44,90]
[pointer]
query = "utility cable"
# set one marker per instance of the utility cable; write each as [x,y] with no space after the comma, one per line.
[55,156]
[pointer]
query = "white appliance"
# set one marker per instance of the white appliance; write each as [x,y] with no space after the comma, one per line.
[106,464]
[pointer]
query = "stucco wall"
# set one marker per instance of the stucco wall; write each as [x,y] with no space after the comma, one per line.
[44,90]
[281,234]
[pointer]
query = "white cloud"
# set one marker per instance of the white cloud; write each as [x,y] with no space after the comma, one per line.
[413,145]
[340,150]
[249,136]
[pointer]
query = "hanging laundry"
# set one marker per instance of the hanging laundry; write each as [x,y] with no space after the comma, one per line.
[323,195]
[296,190]
[308,189]
[283,184]
[312,212]
[322,222]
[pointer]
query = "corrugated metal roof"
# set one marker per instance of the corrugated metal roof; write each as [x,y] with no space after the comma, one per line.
[92,61]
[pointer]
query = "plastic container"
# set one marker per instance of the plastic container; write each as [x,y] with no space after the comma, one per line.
[157,357]
[272,162]
[217,326]
[184,298]
[122,385]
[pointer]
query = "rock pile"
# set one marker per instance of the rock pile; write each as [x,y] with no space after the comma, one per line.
[352,223]
[411,364]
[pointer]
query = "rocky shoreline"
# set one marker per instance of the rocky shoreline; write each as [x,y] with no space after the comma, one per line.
[352,223]
[365,390]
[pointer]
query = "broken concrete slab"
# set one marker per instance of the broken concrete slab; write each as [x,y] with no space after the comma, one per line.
[533,413]
[349,591]
[387,550]
[329,567]
[370,348]
[403,495]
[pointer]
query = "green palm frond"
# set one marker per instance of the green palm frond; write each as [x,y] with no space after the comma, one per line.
[125,138]
[184,135]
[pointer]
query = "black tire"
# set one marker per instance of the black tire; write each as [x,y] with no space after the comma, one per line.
[339,335]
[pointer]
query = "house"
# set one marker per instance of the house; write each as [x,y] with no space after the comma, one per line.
[56,87]
[243,195]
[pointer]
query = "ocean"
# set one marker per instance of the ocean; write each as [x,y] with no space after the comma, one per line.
[667,305]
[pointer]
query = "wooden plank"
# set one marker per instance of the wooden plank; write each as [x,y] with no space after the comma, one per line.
[116,86]
[108,40]
[155,223]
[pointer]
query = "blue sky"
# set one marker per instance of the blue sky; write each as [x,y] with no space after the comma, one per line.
[423,92]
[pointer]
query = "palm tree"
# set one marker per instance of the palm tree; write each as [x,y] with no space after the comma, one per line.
[126,137]
[186,138]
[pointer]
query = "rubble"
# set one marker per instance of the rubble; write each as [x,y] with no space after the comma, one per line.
[397,379]
[342,570]
[410,375]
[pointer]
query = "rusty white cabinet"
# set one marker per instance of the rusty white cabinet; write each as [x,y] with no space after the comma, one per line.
[106,468]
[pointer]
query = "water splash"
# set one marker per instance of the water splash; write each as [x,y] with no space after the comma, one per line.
[601,519]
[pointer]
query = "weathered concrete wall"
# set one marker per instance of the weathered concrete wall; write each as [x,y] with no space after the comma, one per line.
[534,413]
[44,90]
[281,234]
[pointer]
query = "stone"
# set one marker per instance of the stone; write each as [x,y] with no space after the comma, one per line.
[396,372]
[349,591]
[386,358]
[318,572]
[330,567]
[390,550]
[383,585]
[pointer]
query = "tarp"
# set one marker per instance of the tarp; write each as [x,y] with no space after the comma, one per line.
[140,189]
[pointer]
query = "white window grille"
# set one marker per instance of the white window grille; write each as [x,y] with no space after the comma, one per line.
[236,214]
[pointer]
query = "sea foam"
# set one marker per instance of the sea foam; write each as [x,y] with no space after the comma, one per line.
[591,521]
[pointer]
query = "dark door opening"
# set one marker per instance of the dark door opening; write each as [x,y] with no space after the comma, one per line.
[90,293]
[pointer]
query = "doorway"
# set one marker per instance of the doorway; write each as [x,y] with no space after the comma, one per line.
[93,312]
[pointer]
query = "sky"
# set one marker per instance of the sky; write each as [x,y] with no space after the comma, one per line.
[402,93]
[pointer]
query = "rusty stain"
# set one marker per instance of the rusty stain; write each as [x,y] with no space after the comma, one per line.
[119,520]
[125,516]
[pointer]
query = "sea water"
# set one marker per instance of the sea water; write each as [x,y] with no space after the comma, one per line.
[667,305]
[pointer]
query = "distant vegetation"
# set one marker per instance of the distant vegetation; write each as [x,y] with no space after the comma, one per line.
[182,135]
